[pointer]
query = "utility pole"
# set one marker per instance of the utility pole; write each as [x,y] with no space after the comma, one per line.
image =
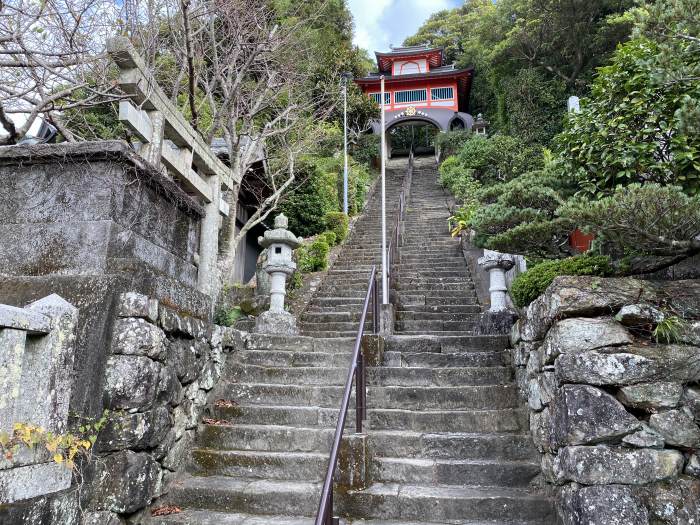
[346,78]
[385,279]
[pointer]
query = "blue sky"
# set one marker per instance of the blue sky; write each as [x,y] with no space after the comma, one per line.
[380,23]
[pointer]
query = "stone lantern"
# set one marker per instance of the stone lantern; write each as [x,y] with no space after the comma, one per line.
[479,126]
[279,243]
[500,317]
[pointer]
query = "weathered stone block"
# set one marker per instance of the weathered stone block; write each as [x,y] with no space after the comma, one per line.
[169,388]
[672,503]
[373,350]
[541,430]
[135,336]
[30,481]
[131,382]
[124,482]
[603,465]
[178,454]
[651,396]
[132,304]
[644,438]
[102,517]
[584,415]
[641,316]
[578,297]
[677,428]
[177,324]
[354,462]
[637,364]
[183,357]
[541,390]
[692,468]
[605,505]
[59,508]
[143,430]
[581,334]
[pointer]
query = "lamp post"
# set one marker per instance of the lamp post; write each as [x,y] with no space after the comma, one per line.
[346,77]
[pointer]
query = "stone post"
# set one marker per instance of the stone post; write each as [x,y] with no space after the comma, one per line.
[280,243]
[499,318]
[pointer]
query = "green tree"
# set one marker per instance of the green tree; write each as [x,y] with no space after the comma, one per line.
[634,127]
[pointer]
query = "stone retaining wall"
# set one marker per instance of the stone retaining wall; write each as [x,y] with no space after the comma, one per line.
[613,413]
[161,368]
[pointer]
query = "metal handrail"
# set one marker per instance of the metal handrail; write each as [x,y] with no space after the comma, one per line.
[395,242]
[358,374]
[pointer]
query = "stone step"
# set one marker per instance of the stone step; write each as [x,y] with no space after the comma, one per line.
[481,473]
[435,325]
[281,415]
[298,343]
[453,504]
[286,358]
[447,344]
[273,438]
[251,374]
[313,316]
[408,295]
[492,396]
[411,300]
[436,360]
[328,334]
[249,496]
[439,333]
[309,466]
[506,420]
[454,445]
[441,309]
[211,517]
[431,377]
[412,315]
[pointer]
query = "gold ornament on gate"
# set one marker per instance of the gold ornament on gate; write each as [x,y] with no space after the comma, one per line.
[410,111]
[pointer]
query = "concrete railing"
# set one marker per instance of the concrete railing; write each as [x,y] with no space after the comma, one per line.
[37,346]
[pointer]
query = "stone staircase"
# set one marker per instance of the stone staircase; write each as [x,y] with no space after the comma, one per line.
[447,429]
[449,432]
[336,307]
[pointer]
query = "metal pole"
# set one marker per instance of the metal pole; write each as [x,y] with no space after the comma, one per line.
[345,144]
[385,287]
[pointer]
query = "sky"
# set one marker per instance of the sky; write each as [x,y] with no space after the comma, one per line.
[381,23]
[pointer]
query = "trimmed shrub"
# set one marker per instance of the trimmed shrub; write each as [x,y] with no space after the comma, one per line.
[314,257]
[337,222]
[330,237]
[530,285]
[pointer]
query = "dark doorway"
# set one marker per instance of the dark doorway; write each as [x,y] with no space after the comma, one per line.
[416,135]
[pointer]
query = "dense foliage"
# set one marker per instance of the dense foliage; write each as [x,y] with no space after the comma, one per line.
[529,54]
[530,285]
[626,168]
[633,128]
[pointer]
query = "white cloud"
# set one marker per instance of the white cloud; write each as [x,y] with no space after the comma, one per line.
[381,23]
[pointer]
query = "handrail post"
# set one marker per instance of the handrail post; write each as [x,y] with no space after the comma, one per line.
[375,313]
[359,393]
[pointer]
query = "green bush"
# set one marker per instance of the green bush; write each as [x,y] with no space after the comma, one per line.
[338,223]
[499,158]
[367,149]
[228,316]
[330,237]
[306,205]
[450,142]
[314,257]
[531,284]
